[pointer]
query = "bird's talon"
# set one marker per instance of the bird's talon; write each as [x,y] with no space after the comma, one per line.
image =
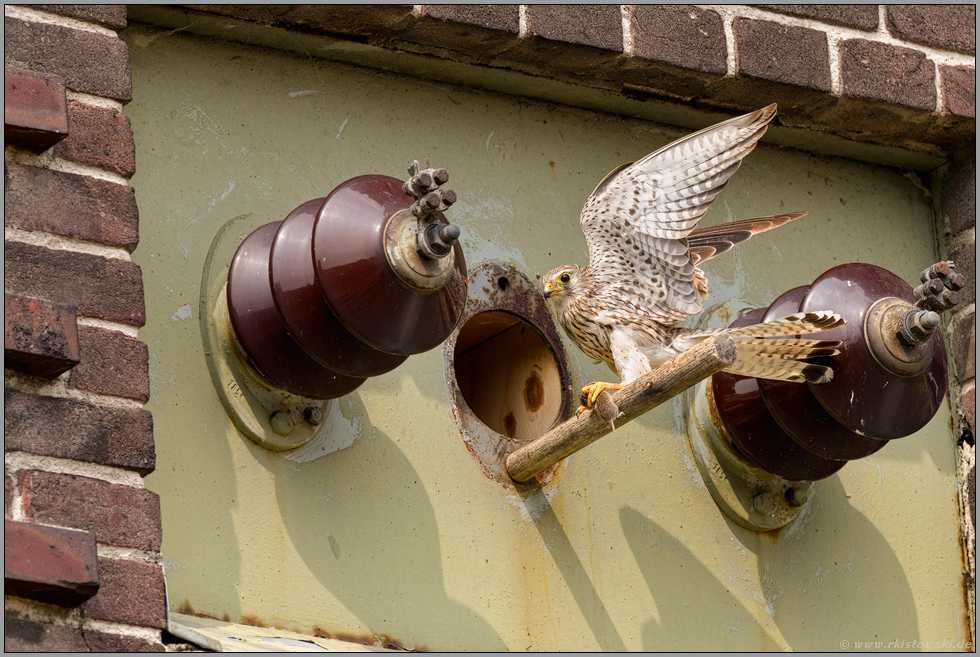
[591,391]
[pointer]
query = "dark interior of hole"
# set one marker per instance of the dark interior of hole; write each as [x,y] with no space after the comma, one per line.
[502,283]
[508,375]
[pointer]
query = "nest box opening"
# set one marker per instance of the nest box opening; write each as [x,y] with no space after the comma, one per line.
[508,375]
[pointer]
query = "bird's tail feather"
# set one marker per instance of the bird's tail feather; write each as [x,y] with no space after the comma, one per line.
[796,324]
[784,359]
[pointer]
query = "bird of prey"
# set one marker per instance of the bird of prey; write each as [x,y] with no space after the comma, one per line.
[643,275]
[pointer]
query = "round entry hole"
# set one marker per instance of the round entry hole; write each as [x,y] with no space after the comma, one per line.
[508,375]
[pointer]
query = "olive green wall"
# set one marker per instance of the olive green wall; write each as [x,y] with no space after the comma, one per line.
[401,535]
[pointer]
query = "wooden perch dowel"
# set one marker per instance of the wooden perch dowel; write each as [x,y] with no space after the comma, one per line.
[633,400]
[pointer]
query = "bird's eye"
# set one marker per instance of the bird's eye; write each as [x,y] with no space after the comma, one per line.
[564,278]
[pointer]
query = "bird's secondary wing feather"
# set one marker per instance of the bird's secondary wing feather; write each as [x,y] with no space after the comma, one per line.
[637,221]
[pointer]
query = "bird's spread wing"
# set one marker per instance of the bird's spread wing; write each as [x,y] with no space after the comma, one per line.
[638,220]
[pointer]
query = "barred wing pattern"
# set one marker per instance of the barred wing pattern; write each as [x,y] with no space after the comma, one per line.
[637,221]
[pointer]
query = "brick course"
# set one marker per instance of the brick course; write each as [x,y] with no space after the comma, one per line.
[959,84]
[112,364]
[130,592]
[779,53]
[91,63]
[879,71]
[49,564]
[35,109]
[686,37]
[40,338]
[23,635]
[598,26]
[104,288]
[111,16]
[70,204]
[862,17]
[116,514]
[473,30]
[100,138]
[73,429]
[951,27]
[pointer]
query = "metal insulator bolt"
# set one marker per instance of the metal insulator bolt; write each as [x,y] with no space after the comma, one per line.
[313,415]
[282,422]
[796,497]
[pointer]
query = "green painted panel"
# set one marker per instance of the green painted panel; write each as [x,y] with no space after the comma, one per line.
[401,535]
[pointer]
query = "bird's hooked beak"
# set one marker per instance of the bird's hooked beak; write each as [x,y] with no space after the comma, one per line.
[549,290]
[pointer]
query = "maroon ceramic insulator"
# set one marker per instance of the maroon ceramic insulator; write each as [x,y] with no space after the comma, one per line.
[883,388]
[754,431]
[880,388]
[798,412]
[406,307]
[261,331]
[309,319]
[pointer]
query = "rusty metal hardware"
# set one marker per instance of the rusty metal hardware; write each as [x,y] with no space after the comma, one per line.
[434,240]
[506,371]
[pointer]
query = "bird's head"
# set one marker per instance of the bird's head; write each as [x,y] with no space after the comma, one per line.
[562,283]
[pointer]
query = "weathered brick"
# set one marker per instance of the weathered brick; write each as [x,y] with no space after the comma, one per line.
[963,330]
[863,17]
[112,364]
[71,204]
[684,36]
[77,430]
[116,514]
[597,26]
[951,27]
[879,71]
[503,18]
[789,55]
[470,29]
[35,110]
[99,137]
[49,564]
[578,42]
[959,84]
[111,16]
[964,258]
[960,195]
[131,592]
[39,337]
[968,409]
[8,494]
[970,491]
[24,635]
[105,288]
[91,63]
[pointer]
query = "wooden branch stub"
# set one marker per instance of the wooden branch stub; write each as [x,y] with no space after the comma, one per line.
[633,400]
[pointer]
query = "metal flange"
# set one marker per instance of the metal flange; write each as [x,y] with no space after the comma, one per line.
[270,417]
[750,496]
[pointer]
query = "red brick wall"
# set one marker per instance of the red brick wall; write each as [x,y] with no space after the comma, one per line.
[82,541]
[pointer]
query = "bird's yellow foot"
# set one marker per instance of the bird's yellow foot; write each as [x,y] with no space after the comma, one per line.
[591,390]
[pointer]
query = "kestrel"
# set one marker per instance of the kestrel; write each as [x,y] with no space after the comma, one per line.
[643,275]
